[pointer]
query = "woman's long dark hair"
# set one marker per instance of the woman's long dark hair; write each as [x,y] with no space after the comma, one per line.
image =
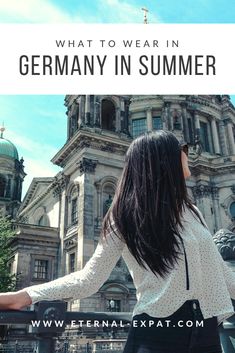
[149,200]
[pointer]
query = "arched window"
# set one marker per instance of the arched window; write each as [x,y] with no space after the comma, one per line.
[108,115]
[157,123]
[232,209]
[72,259]
[44,221]
[2,186]
[74,210]
[107,197]
[190,130]
[73,206]
[139,126]
[204,136]
[115,296]
[176,120]
[114,305]
[105,192]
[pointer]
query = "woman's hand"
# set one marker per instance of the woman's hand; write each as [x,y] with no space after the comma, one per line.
[14,300]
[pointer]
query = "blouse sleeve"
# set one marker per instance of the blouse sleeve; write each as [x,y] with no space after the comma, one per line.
[85,282]
[229,274]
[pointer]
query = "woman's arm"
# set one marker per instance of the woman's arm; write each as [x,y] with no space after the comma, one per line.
[15,300]
[78,284]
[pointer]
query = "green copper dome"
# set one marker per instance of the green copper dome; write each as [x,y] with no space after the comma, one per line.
[8,149]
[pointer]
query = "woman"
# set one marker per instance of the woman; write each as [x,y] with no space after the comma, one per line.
[179,275]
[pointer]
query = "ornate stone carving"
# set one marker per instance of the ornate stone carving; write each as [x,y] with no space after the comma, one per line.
[233,188]
[87,165]
[215,192]
[225,241]
[228,159]
[59,184]
[227,202]
[107,147]
[70,243]
[205,191]
[84,144]
[22,219]
[227,121]
[201,191]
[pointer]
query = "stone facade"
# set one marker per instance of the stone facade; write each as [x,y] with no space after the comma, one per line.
[62,215]
[205,122]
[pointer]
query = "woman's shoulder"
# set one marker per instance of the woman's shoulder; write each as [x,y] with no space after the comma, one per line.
[193,217]
[112,233]
[190,215]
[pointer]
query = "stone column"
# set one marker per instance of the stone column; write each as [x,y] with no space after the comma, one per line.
[215,136]
[197,126]
[68,125]
[217,215]
[61,261]
[185,123]
[197,122]
[231,137]
[181,122]
[222,134]
[73,118]
[164,117]
[170,119]
[118,120]
[209,134]
[80,112]
[122,116]
[92,112]
[98,206]
[199,194]
[82,109]
[149,119]
[87,111]
[202,195]
[86,244]
[126,118]
[97,113]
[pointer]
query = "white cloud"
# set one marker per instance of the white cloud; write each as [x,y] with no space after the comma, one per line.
[33,11]
[31,147]
[52,114]
[43,11]
[37,168]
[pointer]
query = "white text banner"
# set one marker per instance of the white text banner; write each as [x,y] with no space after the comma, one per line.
[117,59]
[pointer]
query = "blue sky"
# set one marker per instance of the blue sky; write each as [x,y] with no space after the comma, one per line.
[120,11]
[37,124]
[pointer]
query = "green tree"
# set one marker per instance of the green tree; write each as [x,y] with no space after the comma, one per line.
[7,280]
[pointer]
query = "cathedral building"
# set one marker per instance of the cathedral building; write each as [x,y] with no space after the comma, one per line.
[59,220]
[11,177]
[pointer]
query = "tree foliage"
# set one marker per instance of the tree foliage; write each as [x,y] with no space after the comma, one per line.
[7,280]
